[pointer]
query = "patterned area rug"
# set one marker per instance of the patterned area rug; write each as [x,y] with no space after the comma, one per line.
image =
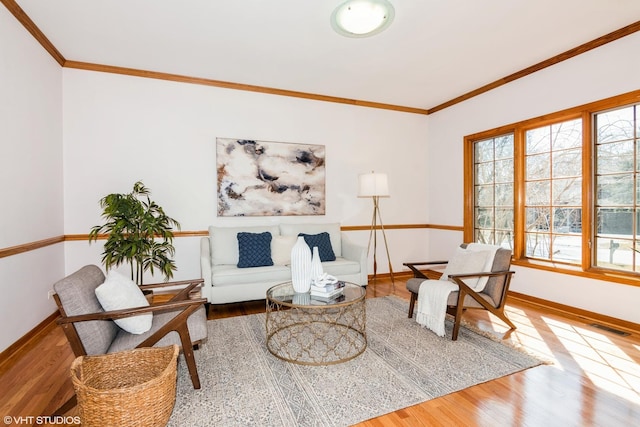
[404,364]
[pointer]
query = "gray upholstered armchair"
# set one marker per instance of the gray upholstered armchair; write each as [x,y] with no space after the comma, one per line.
[91,330]
[491,298]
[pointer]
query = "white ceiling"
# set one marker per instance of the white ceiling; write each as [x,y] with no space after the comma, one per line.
[435,50]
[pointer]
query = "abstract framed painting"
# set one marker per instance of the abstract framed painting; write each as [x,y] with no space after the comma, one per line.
[264,178]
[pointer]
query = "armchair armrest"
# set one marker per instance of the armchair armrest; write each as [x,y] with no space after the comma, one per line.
[205,266]
[357,253]
[481,274]
[134,311]
[425,263]
[416,272]
[184,292]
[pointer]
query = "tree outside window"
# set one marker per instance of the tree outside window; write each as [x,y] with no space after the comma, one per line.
[561,190]
[553,192]
[617,190]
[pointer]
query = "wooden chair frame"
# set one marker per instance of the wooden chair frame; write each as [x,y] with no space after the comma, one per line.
[457,310]
[178,324]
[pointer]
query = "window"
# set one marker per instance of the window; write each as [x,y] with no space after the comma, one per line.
[617,169]
[562,191]
[493,190]
[553,192]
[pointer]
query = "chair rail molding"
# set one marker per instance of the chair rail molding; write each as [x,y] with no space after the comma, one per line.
[26,247]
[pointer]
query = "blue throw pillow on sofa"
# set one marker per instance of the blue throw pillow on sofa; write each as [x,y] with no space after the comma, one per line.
[323,242]
[254,249]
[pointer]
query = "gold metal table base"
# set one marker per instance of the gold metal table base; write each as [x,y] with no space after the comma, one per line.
[317,334]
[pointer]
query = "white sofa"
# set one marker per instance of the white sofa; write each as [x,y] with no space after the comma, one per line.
[224,282]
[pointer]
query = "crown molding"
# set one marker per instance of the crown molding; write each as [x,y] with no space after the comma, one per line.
[600,41]
[24,19]
[237,86]
[30,26]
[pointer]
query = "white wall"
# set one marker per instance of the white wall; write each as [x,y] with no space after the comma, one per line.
[119,129]
[30,178]
[601,73]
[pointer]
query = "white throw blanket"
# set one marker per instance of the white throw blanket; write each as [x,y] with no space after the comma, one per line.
[433,294]
[432,304]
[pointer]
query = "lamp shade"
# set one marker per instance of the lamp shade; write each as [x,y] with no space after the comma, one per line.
[373,185]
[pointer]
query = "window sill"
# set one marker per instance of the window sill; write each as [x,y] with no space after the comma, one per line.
[632,279]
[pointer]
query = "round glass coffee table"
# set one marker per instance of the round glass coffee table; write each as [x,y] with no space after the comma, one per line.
[308,331]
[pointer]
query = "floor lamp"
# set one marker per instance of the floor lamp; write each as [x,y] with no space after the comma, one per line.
[375,185]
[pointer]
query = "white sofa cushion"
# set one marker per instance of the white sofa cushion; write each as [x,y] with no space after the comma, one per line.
[281,249]
[224,242]
[332,228]
[224,275]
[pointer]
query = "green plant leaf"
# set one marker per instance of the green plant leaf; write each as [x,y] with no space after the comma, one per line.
[139,233]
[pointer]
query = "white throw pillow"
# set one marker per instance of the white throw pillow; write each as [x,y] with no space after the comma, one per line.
[468,261]
[281,249]
[119,292]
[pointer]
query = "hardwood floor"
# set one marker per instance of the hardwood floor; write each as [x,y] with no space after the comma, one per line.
[594,378]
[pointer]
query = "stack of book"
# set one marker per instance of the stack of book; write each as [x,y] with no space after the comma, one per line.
[327,292]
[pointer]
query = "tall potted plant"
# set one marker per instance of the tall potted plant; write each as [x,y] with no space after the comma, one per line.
[138,233]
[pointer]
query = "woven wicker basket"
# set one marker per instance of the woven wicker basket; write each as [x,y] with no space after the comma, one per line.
[129,388]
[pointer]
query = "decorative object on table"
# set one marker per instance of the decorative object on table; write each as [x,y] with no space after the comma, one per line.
[326,296]
[301,266]
[139,233]
[375,185]
[263,178]
[324,280]
[316,266]
[127,388]
[327,289]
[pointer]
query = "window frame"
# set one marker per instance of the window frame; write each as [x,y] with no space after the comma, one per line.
[521,183]
[586,267]
[493,184]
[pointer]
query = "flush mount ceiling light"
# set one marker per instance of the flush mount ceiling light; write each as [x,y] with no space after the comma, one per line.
[362,18]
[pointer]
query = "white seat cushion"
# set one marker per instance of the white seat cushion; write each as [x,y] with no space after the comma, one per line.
[231,275]
[196,323]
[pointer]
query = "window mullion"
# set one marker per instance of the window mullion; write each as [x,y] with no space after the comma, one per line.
[519,194]
[588,190]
